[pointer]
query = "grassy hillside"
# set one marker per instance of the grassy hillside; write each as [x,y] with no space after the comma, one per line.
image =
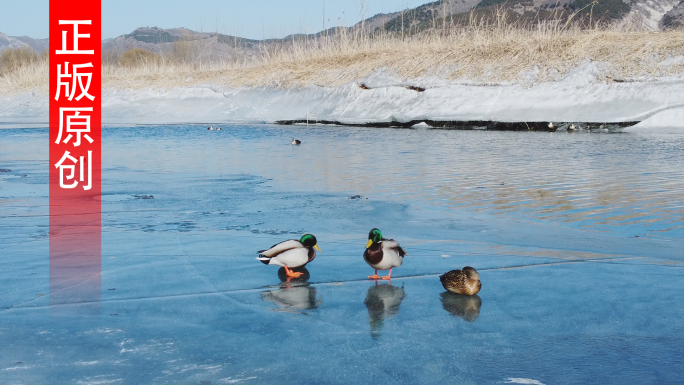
[487,50]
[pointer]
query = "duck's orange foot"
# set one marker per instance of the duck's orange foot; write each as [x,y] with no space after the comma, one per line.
[293,274]
[387,277]
[374,276]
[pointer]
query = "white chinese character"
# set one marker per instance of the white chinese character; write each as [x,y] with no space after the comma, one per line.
[71,168]
[75,77]
[60,83]
[73,121]
[75,51]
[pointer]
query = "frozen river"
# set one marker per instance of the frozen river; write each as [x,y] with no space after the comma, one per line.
[578,239]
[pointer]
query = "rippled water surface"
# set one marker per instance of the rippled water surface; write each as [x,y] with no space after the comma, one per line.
[578,239]
[614,182]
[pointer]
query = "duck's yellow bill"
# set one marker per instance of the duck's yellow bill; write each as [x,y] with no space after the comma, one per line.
[318,248]
[370,242]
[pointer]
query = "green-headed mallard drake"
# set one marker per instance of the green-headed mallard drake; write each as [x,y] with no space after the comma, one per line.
[466,281]
[291,253]
[382,254]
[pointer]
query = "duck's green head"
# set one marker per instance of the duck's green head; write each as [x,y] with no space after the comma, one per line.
[309,240]
[375,236]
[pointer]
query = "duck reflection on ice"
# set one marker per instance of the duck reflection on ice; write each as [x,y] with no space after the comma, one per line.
[382,301]
[463,306]
[295,294]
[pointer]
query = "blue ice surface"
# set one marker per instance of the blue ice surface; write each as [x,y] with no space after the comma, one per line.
[577,238]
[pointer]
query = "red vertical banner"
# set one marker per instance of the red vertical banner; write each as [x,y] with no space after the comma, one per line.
[75,151]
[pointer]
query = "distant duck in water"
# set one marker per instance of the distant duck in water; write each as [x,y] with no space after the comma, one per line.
[466,281]
[295,141]
[382,254]
[551,127]
[218,128]
[211,128]
[571,128]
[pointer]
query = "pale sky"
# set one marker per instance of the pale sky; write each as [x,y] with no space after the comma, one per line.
[256,19]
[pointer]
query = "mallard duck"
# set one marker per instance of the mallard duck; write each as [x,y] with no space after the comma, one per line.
[291,253]
[466,281]
[382,254]
[295,141]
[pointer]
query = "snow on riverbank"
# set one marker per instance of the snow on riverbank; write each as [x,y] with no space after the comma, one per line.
[668,120]
[579,97]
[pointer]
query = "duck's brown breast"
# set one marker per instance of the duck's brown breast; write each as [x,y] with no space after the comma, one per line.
[373,254]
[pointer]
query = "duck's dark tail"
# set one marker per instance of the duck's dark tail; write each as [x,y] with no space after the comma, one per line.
[264,259]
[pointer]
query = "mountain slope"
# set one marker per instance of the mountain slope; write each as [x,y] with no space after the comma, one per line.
[674,18]
[649,13]
[197,46]
[22,41]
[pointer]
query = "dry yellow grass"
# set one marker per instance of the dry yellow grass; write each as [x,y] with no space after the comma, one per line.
[487,53]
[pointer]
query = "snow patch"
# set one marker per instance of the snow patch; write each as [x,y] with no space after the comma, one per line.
[672,61]
[86,363]
[230,380]
[98,380]
[380,78]
[580,96]
[531,75]
[193,367]
[670,120]
[523,381]
[17,368]
[584,74]
[103,330]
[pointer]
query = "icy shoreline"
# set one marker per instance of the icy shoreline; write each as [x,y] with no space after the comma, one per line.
[381,98]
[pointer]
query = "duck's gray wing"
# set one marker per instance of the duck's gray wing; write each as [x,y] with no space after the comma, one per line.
[394,245]
[281,248]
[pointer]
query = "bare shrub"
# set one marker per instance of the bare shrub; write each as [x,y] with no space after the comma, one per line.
[137,57]
[181,51]
[110,57]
